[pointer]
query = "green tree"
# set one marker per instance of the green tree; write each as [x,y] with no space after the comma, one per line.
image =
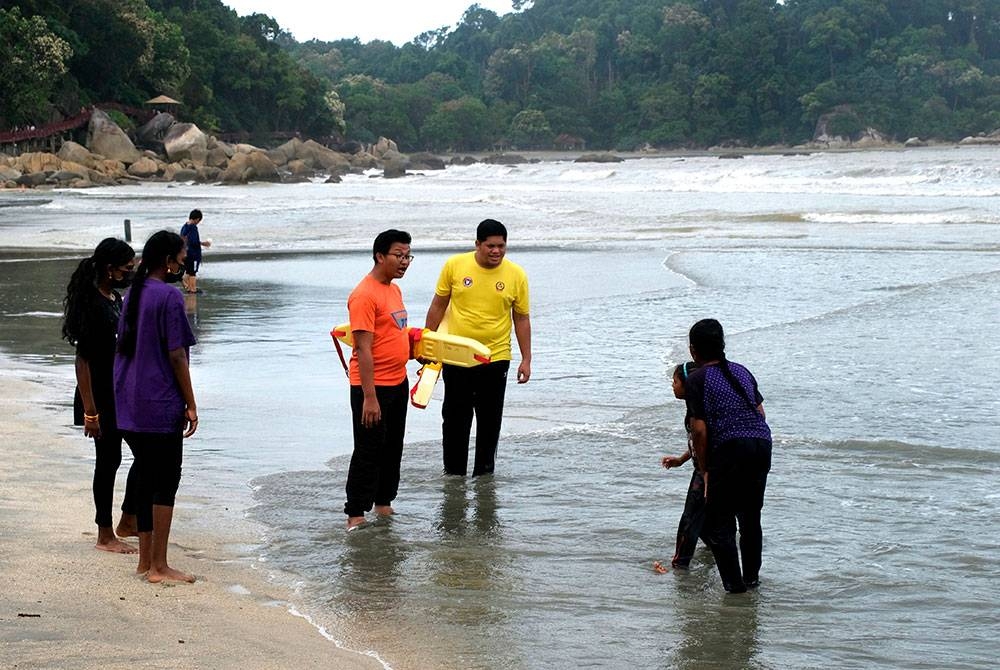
[32,62]
[530,130]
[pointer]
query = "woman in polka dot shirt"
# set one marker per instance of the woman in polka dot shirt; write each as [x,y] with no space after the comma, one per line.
[732,441]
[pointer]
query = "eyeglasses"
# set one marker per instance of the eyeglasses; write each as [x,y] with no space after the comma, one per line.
[402,257]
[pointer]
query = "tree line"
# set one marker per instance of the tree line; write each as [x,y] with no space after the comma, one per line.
[617,74]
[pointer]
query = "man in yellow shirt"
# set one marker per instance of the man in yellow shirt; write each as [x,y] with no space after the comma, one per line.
[488,296]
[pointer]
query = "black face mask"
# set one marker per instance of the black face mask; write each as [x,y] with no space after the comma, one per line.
[124,282]
[172,278]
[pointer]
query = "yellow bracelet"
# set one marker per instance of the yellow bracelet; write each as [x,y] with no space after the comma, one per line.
[91,417]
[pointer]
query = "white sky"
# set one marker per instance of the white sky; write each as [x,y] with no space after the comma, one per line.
[397,21]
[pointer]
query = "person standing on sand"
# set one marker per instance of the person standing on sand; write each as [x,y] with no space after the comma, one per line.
[191,235]
[91,312]
[488,295]
[379,388]
[732,443]
[154,397]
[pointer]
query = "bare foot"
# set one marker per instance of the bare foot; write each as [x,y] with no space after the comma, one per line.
[126,527]
[168,576]
[354,522]
[384,510]
[116,546]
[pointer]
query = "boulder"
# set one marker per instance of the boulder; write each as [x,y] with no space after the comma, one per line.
[207,173]
[106,138]
[154,130]
[382,146]
[299,168]
[322,157]
[31,179]
[599,158]
[182,174]
[363,161]
[464,160]
[333,179]
[871,138]
[914,142]
[217,157]
[38,161]
[111,168]
[505,159]
[425,161]
[247,167]
[144,168]
[186,140]
[77,153]
[235,171]
[76,168]
[286,152]
[9,174]
[244,148]
[980,140]
[63,176]
[394,164]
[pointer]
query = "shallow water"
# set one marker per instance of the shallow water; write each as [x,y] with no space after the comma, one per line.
[860,288]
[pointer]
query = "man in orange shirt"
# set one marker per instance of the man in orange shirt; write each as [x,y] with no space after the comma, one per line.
[379,390]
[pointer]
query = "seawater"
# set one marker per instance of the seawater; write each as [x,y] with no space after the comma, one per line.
[861,289]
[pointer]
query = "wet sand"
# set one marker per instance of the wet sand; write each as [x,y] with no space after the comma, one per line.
[65,604]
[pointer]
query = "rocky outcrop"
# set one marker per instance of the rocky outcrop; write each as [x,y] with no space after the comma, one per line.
[982,140]
[914,142]
[9,174]
[247,167]
[464,160]
[383,146]
[425,161]
[394,164]
[505,159]
[153,131]
[599,158]
[77,153]
[104,137]
[186,140]
[144,168]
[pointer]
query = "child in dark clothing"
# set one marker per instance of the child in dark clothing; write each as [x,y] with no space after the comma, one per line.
[689,528]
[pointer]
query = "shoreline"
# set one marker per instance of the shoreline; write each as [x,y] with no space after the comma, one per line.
[68,605]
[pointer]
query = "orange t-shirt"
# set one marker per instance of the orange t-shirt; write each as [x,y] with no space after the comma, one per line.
[378,308]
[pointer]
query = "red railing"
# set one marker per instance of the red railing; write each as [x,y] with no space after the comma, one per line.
[71,123]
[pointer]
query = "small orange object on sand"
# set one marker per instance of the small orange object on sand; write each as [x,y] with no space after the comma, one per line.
[658,568]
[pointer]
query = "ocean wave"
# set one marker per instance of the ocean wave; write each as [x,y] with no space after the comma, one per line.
[586,175]
[907,218]
[48,315]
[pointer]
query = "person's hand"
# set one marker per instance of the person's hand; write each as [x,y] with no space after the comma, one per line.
[523,372]
[92,427]
[191,416]
[206,243]
[704,477]
[670,462]
[371,413]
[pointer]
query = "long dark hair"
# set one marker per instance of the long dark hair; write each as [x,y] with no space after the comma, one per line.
[709,344]
[163,245]
[82,296]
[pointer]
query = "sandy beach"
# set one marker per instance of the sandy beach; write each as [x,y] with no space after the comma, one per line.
[67,605]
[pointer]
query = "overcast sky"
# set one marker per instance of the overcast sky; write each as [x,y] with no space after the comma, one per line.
[397,21]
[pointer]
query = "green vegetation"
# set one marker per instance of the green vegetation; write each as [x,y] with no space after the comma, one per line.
[615,73]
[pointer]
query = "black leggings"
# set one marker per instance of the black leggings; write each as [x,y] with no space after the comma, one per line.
[373,477]
[737,478]
[689,529]
[479,390]
[108,457]
[158,459]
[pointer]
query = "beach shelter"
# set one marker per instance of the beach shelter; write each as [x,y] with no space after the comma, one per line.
[164,103]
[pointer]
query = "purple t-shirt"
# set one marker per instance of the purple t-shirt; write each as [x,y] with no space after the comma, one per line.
[713,399]
[147,396]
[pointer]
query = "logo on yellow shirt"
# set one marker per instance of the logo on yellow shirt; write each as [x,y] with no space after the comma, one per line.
[500,285]
[467,282]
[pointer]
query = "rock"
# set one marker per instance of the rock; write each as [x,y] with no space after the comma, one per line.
[363,161]
[207,173]
[186,141]
[9,174]
[333,179]
[730,156]
[38,161]
[62,176]
[981,140]
[599,158]
[111,168]
[144,168]
[154,130]
[106,138]
[286,152]
[299,168]
[914,142]
[31,179]
[76,168]
[871,138]
[425,161]
[321,156]
[77,153]
[246,167]
[394,164]
[350,147]
[244,148]
[464,160]
[296,179]
[217,157]
[183,174]
[505,159]
[382,146]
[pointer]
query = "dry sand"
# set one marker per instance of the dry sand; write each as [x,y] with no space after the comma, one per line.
[63,604]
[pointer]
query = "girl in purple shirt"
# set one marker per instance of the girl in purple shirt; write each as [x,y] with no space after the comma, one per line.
[153,395]
[732,442]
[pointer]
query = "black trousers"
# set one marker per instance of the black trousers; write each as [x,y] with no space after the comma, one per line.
[373,477]
[158,458]
[689,529]
[736,482]
[472,391]
[108,458]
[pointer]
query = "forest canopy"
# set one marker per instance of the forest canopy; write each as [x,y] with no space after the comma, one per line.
[605,73]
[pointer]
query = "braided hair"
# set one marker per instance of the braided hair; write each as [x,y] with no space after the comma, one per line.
[162,246]
[709,343]
[82,295]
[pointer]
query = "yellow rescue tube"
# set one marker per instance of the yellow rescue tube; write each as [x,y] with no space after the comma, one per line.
[433,346]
